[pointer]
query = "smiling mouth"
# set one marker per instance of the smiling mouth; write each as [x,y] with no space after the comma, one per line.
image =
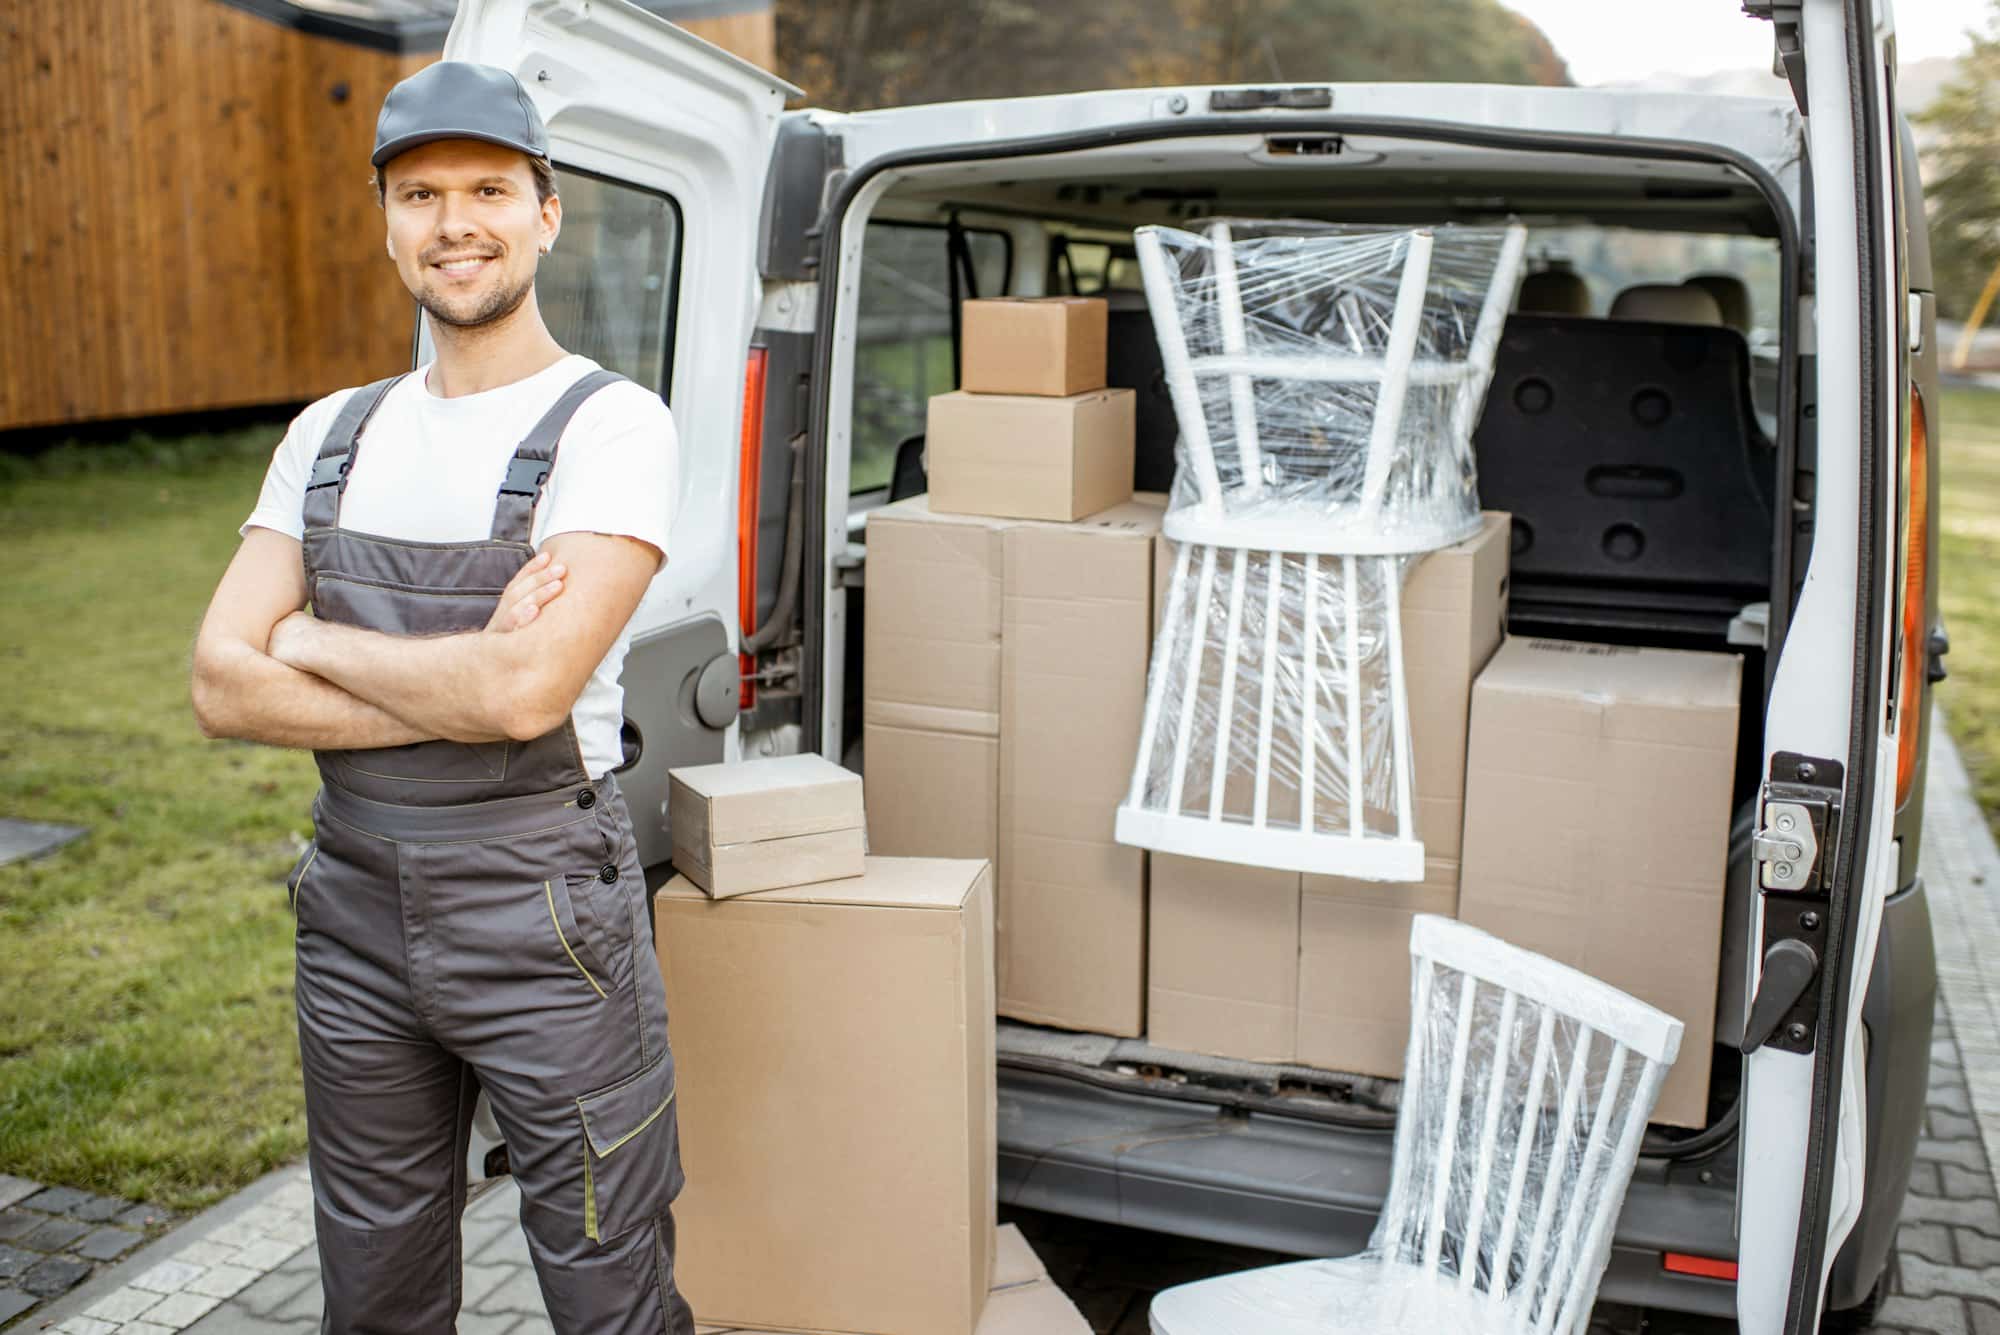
[463,265]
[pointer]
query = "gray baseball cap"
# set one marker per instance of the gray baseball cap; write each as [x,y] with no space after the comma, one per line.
[457,99]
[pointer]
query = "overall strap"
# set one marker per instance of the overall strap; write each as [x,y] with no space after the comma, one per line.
[535,458]
[328,482]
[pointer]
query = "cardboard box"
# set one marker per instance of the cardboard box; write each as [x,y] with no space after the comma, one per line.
[1223,959]
[760,824]
[931,682]
[1021,752]
[1354,967]
[1597,824]
[834,1055]
[1023,1300]
[1076,633]
[1033,345]
[1454,617]
[1020,456]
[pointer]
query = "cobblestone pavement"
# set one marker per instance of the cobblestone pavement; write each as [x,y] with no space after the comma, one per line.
[53,1238]
[255,1272]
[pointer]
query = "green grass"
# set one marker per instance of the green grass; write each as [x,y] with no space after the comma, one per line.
[1968,437]
[147,1043]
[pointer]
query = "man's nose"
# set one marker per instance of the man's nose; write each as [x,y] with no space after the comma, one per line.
[455,219]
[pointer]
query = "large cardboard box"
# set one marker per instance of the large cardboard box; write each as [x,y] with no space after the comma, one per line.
[1076,632]
[1223,959]
[1003,683]
[1597,824]
[1454,617]
[1021,456]
[1023,1300]
[1354,966]
[1033,345]
[834,1054]
[759,824]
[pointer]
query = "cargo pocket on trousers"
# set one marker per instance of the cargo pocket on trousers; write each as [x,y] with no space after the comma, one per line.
[629,1148]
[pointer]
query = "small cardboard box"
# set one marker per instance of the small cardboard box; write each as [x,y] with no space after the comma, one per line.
[1223,959]
[1354,966]
[1597,824]
[834,1051]
[1023,1300]
[1019,456]
[760,824]
[1033,345]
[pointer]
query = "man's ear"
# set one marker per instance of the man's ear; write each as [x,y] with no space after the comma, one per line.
[551,222]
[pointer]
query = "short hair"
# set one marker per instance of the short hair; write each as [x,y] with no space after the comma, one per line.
[541,169]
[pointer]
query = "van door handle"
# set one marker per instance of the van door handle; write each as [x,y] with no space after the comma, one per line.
[1789,968]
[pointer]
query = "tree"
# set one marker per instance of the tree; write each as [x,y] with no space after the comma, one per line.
[1962,173]
[853,54]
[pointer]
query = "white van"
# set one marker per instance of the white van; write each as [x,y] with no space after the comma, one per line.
[787,280]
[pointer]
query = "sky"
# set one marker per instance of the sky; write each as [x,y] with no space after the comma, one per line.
[1687,37]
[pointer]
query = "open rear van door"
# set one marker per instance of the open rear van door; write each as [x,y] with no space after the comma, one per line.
[1825,849]
[662,143]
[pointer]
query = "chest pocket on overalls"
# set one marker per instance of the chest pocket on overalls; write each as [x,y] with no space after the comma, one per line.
[411,609]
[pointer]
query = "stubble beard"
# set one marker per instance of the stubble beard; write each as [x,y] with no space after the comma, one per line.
[495,306]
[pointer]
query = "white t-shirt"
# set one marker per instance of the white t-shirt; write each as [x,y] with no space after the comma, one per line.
[429,469]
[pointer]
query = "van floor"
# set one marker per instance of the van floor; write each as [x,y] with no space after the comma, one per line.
[1140,1067]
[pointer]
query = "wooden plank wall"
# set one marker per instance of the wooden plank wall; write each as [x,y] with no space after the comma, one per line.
[199,230]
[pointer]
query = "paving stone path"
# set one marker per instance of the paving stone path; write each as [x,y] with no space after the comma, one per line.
[53,1238]
[249,1268]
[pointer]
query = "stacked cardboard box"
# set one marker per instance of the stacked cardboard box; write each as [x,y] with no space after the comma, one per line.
[1272,966]
[1597,824]
[1004,678]
[834,1057]
[1033,433]
[761,824]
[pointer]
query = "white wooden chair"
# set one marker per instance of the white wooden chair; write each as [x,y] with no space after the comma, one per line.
[1276,729]
[1526,1090]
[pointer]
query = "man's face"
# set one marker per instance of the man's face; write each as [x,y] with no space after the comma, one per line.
[465,228]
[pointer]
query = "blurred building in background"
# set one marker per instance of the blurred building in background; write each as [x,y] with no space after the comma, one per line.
[200,232]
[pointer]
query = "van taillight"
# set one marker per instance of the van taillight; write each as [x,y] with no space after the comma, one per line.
[749,481]
[1708,1267]
[1916,582]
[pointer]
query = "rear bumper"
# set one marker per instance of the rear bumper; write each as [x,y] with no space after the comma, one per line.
[1282,1184]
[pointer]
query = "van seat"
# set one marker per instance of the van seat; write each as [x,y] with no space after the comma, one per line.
[1630,457]
[1132,361]
[1557,290]
[1732,297]
[1666,303]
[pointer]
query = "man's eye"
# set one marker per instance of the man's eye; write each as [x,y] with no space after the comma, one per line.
[417,196]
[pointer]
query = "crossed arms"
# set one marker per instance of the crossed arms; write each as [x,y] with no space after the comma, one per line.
[264,671]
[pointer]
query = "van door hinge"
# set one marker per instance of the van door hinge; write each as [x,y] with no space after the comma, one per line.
[1798,820]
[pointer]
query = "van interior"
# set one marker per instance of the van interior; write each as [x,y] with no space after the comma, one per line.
[1650,324]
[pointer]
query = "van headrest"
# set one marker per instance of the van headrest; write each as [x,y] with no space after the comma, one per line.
[1123,299]
[1732,296]
[1554,292]
[1666,303]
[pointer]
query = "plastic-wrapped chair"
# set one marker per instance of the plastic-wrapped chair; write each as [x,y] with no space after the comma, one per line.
[1326,381]
[1526,1090]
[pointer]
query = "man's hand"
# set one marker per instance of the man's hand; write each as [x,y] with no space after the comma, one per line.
[536,585]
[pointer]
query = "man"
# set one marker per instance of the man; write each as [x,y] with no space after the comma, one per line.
[473,539]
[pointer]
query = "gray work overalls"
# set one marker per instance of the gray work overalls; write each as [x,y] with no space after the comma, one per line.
[474,915]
